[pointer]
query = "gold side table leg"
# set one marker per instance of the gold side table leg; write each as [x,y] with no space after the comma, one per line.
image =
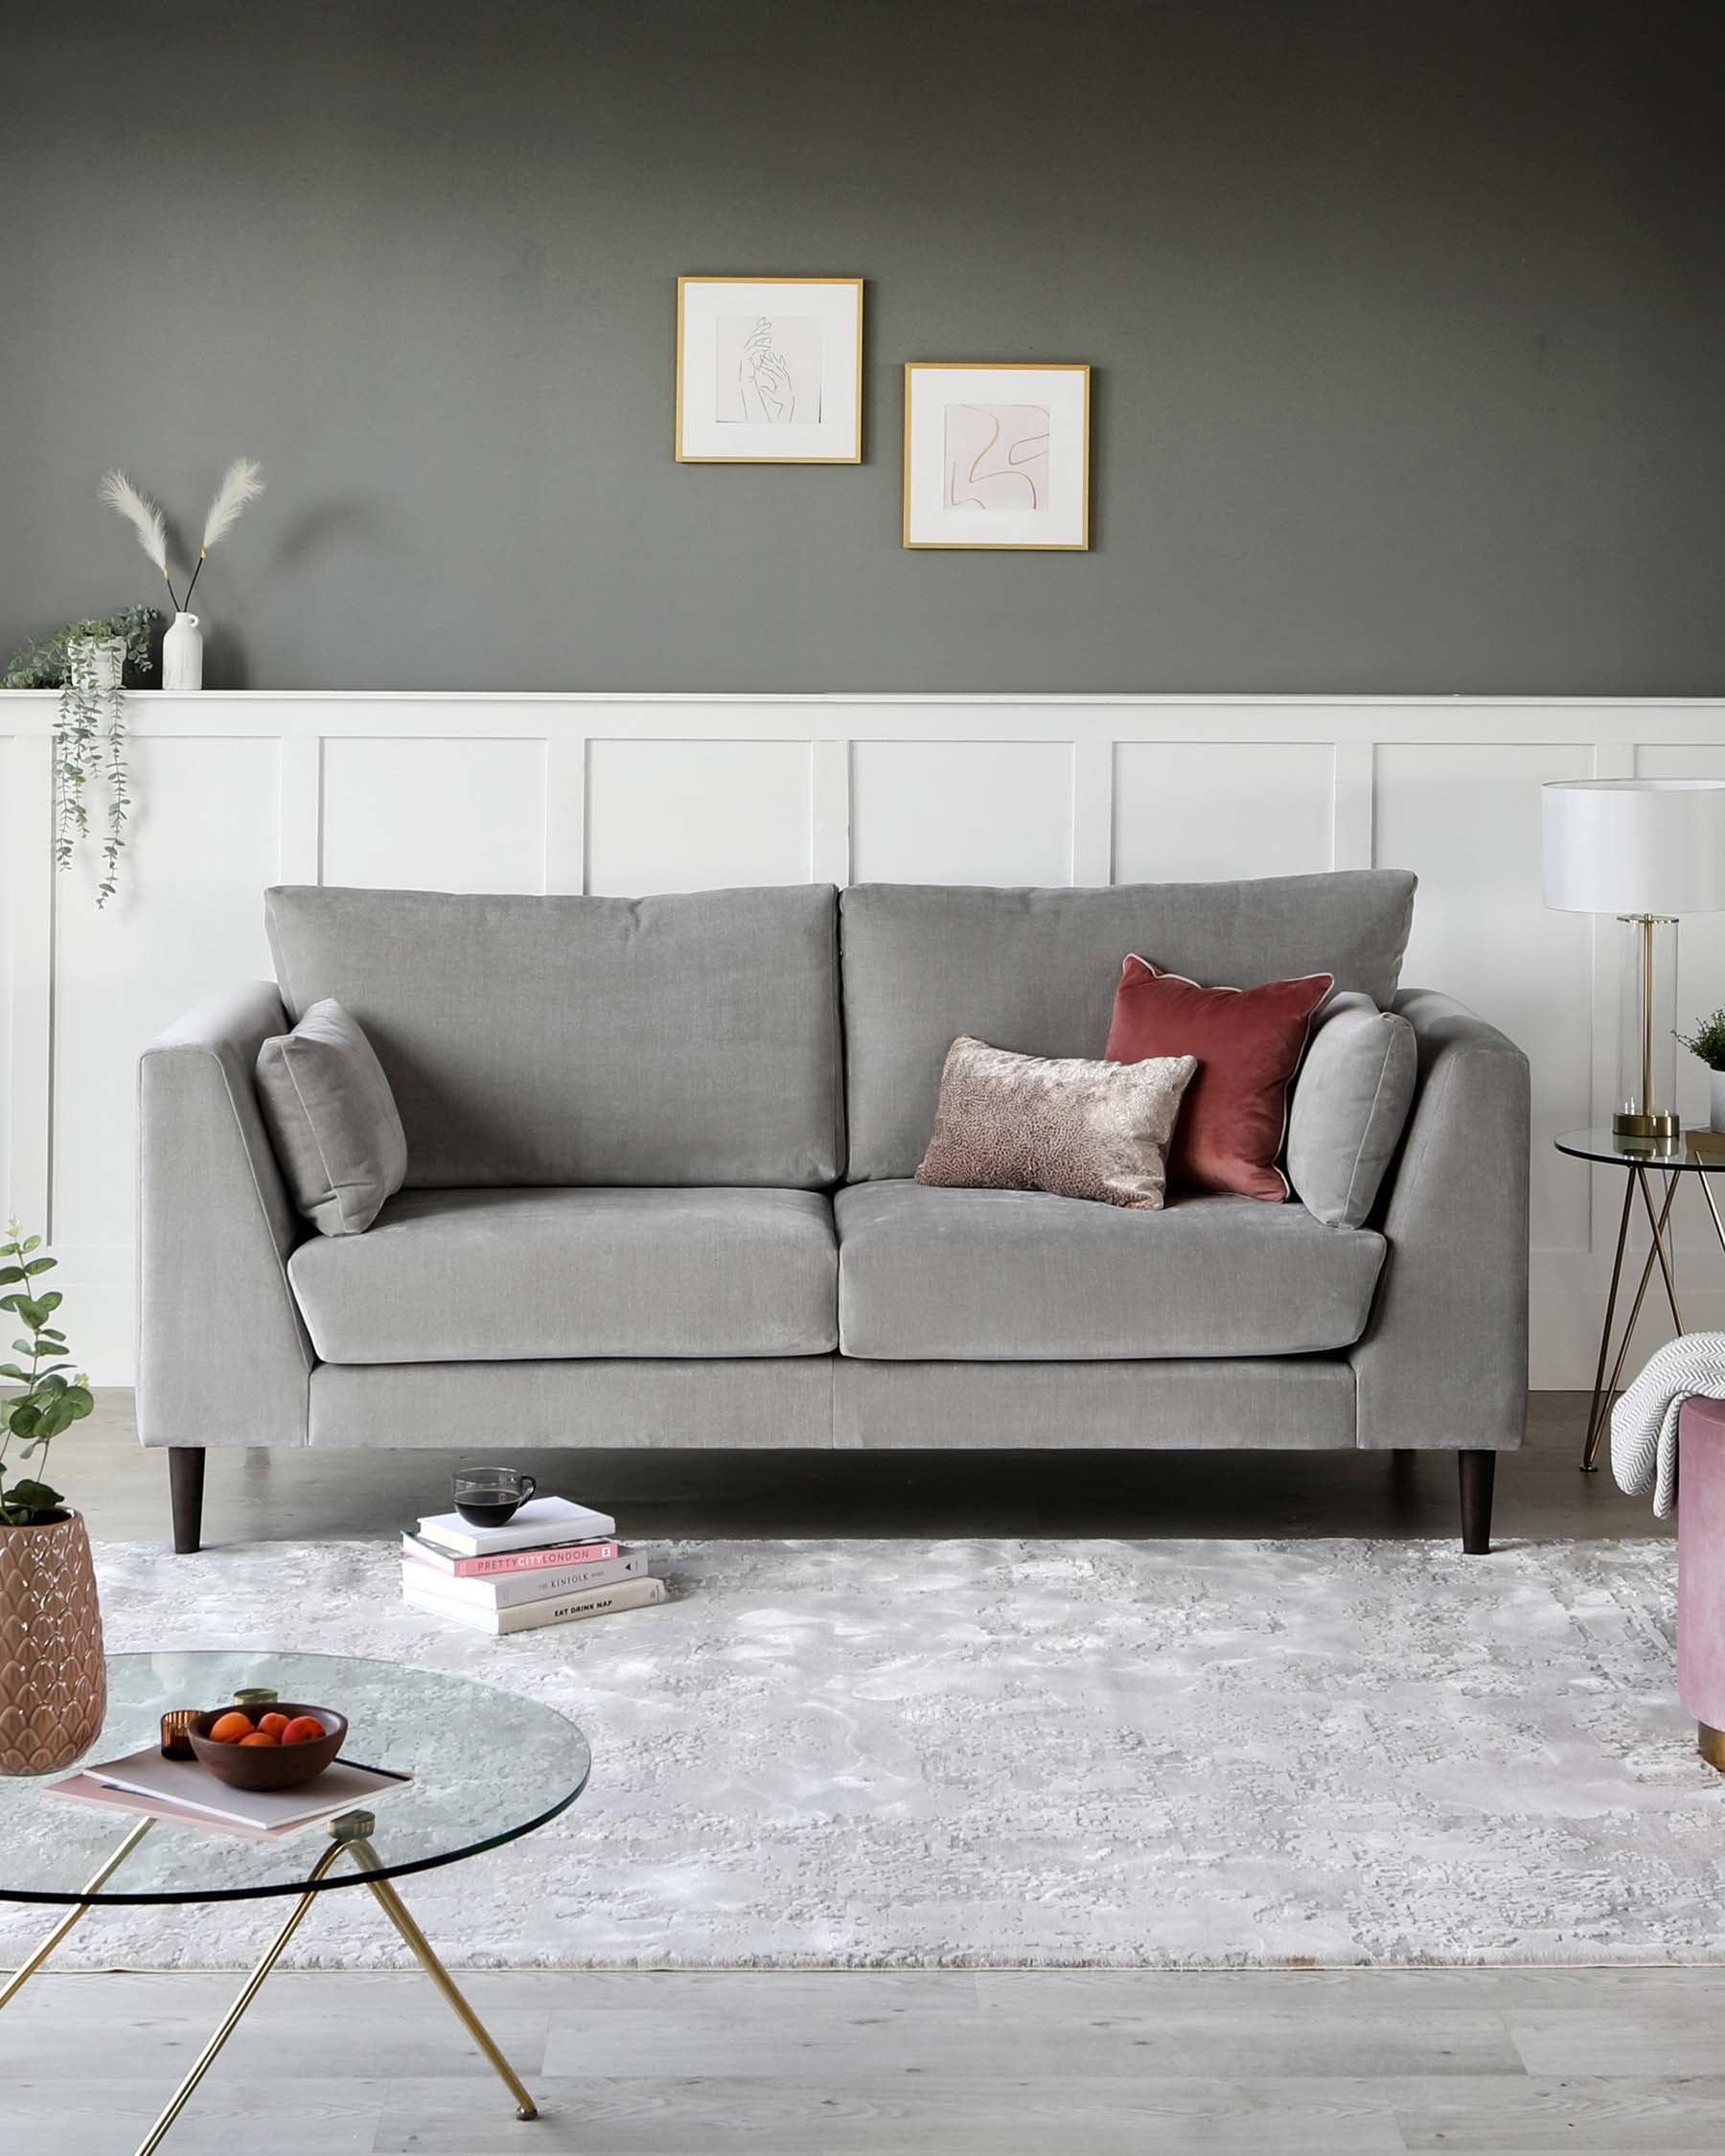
[1707,1193]
[396,1909]
[254,1984]
[1597,1428]
[20,1975]
[1658,1224]
[1589,1443]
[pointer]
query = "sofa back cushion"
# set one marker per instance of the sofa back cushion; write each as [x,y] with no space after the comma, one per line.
[1035,972]
[552,1041]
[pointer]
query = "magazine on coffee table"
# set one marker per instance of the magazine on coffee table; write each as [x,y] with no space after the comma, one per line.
[145,1781]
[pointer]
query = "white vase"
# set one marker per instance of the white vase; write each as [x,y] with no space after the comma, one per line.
[182,655]
[1715,1088]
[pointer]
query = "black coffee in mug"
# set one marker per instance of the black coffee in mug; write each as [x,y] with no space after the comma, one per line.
[490,1496]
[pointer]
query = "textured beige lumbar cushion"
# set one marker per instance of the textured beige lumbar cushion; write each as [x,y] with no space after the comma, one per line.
[1081,1129]
[332,1120]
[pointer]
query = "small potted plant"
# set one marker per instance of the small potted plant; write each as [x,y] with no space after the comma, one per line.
[88,661]
[53,1682]
[1707,1042]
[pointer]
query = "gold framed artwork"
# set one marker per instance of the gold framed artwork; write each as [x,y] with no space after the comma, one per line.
[996,455]
[769,370]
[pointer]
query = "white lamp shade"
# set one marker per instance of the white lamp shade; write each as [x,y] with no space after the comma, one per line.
[1634,845]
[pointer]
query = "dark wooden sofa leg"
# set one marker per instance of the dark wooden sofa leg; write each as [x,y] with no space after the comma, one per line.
[185,1483]
[1479,1472]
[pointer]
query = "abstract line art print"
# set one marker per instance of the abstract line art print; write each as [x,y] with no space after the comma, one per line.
[996,456]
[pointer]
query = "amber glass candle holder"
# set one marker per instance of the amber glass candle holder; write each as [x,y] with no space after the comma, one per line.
[176,1743]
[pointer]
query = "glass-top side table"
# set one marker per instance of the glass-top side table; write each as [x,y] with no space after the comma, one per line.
[488,1768]
[1689,1155]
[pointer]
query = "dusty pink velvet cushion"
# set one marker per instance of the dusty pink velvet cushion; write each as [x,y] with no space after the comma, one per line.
[1081,1129]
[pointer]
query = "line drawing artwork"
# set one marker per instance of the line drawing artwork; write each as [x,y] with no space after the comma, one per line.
[996,456]
[768,371]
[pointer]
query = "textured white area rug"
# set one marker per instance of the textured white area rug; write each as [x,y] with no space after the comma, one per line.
[999,1752]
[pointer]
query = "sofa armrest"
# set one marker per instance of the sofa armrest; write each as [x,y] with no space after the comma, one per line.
[224,1357]
[1443,1362]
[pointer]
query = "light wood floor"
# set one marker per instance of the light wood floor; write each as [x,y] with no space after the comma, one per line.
[920,2063]
[926,2063]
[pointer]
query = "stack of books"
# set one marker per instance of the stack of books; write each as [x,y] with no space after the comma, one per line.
[554,1561]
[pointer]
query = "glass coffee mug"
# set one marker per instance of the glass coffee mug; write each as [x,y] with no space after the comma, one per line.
[490,1497]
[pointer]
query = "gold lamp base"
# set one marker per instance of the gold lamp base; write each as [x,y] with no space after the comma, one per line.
[1659,1124]
[1711,1744]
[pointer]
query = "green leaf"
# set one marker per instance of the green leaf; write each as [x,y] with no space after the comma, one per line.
[30,1243]
[12,1302]
[31,1499]
[48,1387]
[23,1347]
[55,1417]
[51,1300]
[21,1418]
[9,1273]
[80,1400]
[12,1371]
[40,1265]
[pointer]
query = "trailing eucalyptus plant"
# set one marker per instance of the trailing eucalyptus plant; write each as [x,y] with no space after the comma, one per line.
[51,1401]
[89,733]
[44,662]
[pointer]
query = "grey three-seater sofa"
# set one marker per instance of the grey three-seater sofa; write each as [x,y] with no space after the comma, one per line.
[659,1192]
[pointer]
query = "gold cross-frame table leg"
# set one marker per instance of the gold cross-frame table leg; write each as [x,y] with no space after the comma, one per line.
[20,1975]
[254,1984]
[1589,1443]
[396,1909]
[1718,1223]
[1657,1225]
[1601,1408]
[350,1835]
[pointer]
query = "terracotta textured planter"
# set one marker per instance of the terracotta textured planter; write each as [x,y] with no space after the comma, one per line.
[52,1680]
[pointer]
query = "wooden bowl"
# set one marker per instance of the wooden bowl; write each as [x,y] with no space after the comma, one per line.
[268,1766]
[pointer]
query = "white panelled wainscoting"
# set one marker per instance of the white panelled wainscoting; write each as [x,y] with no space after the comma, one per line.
[632,795]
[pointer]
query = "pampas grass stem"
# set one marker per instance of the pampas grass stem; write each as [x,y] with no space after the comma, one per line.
[241,482]
[144,518]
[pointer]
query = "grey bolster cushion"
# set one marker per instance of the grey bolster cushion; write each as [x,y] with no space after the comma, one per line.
[1349,1108]
[333,1118]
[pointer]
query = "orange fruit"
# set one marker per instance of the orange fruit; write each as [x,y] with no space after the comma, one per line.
[272,1724]
[260,1736]
[304,1729]
[231,1728]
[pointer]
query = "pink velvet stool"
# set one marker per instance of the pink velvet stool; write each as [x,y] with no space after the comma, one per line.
[1701,1572]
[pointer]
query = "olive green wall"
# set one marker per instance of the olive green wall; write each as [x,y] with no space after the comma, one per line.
[1408,321]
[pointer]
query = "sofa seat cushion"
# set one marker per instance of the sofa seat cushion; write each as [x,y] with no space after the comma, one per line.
[1007,1275]
[503,1275]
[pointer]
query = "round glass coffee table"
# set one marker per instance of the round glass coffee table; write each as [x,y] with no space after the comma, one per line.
[486,1769]
[1692,1154]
